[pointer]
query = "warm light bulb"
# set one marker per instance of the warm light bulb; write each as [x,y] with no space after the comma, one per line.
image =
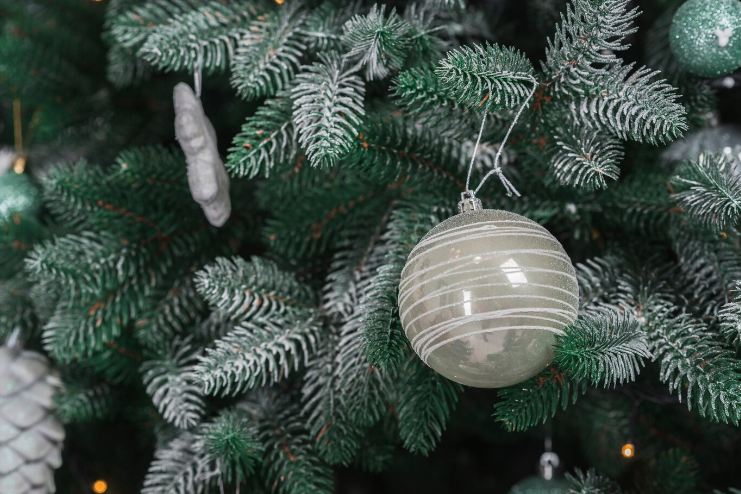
[100,486]
[629,450]
[279,2]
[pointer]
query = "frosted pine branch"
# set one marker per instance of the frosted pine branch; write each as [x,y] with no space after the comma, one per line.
[267,59]
[606,349]
[377,42]
[487,78]
[709,190]
[170,382]
[253,289]
[257,353]
[586,158]
[327,108]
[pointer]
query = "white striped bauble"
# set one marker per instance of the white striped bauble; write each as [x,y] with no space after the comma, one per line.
[483,296]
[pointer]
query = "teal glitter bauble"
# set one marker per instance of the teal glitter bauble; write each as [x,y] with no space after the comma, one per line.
[18,195]
[537,485]
[705,36]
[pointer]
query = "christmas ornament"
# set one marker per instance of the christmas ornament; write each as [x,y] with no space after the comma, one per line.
[724,139]
[705,36]
[484,294]
[537,485]
[18,194]
[209,183]
[545,482]
[30,436]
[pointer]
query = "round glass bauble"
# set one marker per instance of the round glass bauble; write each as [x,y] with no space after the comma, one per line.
[483,296]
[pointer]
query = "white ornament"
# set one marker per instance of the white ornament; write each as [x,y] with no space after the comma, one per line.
[30,436]
[483,296]
[209,182]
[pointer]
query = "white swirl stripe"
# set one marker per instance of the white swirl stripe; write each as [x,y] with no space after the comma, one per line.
[481,273]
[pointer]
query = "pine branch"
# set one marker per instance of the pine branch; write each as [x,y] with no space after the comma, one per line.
[77,403]
[202,38]
[377,42]
[179,467]
[230,442]
[291,465]
[591,483]
[632,106]
[384,340]
[16,308]
[20,232]
[425,25]
[424,403]
[267,59]
[693,361]
[586,43]
[708,267]
[674,471]
[266,140]
[323,30]
[419,92]
[585,158]
[391,149]
[487,78]
[730,317]
[524,405]
[253,289]
[337,439]
[133,24]
[124,69]
[709,190]
[327,108]
[257,353]
[318,227]
[169,313]
[607,349]
[170,382]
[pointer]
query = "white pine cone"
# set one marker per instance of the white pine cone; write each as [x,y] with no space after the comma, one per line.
[30,435]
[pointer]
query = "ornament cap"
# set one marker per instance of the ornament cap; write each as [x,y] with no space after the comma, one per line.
[469,202]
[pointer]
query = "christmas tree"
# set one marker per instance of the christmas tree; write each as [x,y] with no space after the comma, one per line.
[244,326]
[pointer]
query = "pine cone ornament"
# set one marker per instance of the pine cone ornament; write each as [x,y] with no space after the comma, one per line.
[30,435]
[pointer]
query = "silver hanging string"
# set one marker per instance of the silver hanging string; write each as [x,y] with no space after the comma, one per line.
[496,169]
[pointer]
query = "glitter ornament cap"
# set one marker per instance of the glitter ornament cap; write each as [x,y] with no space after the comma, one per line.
[483,296]
[705,36]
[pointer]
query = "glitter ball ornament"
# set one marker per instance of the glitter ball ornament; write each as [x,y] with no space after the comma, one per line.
[30,436]
[537,485]
[705,36]
[18,194]
[483,296]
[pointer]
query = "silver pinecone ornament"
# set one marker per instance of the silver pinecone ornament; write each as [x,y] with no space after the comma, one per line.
[30,435]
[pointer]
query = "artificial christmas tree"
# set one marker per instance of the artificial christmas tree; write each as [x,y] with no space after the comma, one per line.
[260,347]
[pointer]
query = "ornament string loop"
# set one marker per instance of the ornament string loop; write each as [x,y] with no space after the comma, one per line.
[496,169]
